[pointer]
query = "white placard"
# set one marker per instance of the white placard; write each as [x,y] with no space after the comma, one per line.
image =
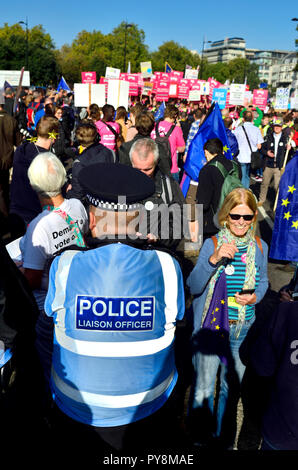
[13,249]
[194,95]
[112,73]
[294,102]
[237,94]
[191,73]
[205,88]
[118,93]
[13,77]
[282,98]
[81,94]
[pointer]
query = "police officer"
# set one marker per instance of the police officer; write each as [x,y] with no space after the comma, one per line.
[115,308]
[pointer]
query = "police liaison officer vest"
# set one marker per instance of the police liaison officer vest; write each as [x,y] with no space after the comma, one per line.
[115,309]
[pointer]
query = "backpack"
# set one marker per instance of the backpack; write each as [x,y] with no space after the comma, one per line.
[164,142]
[231,181]
[30,114]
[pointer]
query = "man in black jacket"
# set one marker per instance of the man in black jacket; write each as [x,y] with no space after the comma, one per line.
[274,150]
[210,184]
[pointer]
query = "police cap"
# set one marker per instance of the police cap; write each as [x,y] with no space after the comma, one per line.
[113,186]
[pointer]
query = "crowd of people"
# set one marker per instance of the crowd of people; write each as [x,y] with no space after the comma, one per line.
[92,197]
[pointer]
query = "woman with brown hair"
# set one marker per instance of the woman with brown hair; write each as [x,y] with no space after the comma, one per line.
[229,279]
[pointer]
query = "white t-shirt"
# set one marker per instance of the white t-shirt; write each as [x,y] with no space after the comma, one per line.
[49,233]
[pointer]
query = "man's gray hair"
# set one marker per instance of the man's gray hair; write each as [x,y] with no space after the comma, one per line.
[47,175]
[142,147]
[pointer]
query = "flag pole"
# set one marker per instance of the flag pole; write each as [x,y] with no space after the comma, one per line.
[281,173]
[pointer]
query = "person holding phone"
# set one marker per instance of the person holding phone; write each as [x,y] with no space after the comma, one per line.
[241,257]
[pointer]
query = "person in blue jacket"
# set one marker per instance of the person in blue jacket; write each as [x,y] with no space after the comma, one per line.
[233,143]
[115,308]
[241,258]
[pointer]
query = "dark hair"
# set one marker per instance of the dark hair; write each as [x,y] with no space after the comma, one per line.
[108,112]
[198,113]
[145,123]
[136,109]
[228,121]
[121,113]
[247,116]
[49,109]
[94,112]
[86,133]
[214,146]
[171,111]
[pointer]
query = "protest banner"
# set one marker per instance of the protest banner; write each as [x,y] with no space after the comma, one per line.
[237,94]
[13,77]
[183,89]
[219,95]
[204,87]
[173,90]
[213,84]
[247,98]
[112,72]
[191,73]
[282,98]
[259,98]
[148,88]
[176,73]
[118,92]
[88,77]
[162,90]
[89,93]
[133,81]
[194,95]
[165,77]
[146,69]
[294,102]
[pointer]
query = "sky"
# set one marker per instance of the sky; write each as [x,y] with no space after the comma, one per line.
[263,24]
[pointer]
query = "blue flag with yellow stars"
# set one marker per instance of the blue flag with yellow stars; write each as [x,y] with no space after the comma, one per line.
[212,127]
[168,68]
[217,317]
[160,112]
[284,243]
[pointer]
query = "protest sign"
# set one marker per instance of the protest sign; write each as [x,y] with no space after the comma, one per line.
[282,98]
[176,73]
[259,98]
[191,73]
[294,102]
[118,91]
[204,87]
[88,77]
[87,93]
[13,77]
[148,88]
[213,84]
[146,69]
[133,81]
[219,95]
[162,90]
[112,73]
[237,94]
[173,90]
[194,95]
[183,89]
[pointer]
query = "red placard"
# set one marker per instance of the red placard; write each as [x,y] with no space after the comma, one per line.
[259,98]
[213,84]
[176,73]
[105,81]
[88,77]
[183,89]
[162,90]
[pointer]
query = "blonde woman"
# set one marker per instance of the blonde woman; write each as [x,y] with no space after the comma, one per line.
[237,260]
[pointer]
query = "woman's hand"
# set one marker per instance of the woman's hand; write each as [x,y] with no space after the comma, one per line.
[226,250]
[245,299]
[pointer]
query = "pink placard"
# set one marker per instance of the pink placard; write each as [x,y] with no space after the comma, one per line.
[259,98]
[162,90]
[176,73]
[88,77]
[213,84]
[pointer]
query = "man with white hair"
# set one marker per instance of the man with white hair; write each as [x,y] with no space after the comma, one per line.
[164,208]
[62,223]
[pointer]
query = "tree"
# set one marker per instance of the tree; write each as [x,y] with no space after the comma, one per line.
[94,51]
[41,52]
[177,56]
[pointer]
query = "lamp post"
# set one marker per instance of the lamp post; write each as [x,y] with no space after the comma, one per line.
[26,23]
[202,63]
[125,38]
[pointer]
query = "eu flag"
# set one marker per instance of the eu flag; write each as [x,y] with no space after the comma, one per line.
[168,68]
[212,127]
[63,85]
[217,318]
[160,112]
[284,243]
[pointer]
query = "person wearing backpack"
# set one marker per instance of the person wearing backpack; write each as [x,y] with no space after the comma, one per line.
[211,179]
[169,133]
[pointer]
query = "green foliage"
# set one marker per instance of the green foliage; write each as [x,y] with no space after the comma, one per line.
[41,54]
[177,56]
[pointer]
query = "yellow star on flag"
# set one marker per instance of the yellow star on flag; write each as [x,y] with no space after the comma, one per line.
[295,224]
[222,301]
[217,327]
[285,202]
[216,309]
[291,189]
[287,215]
[225,148]
[213,320]
[32,139]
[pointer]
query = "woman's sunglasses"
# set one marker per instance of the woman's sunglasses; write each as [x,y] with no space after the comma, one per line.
[247,217]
